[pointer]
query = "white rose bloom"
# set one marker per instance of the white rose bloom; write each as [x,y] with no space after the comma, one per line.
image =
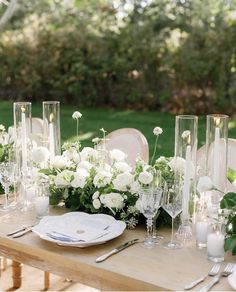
[96,203]
[102,178]
[89,153]
[112,200]
[79,179]
[59,162]
[157,131]
[145,177]
[117,155]
[40,154]
[85,165]
[122,167]
[63,178]
[135,187]
[95,195]
[177,164]
[204,184]
[122,181]
[76,115]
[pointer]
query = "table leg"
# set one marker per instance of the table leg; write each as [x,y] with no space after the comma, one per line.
[46,280]
[16,274]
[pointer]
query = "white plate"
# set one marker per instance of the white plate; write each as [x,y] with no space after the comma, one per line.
[232,279]
[70,220]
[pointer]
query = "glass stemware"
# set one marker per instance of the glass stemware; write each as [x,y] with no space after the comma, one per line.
[7,178]
[172,204]
[149,200]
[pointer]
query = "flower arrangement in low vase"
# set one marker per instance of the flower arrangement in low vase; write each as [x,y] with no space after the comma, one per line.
[96,180]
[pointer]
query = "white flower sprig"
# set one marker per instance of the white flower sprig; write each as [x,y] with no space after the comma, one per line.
[156,131]
[76,116]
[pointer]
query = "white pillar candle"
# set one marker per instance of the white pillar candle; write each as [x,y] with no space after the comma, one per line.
[216,157]
[186,187]
[215,245]
[201,232]
[23,140]
[42,205]
[51,137]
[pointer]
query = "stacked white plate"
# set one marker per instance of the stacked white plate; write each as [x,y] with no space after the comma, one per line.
[85,229]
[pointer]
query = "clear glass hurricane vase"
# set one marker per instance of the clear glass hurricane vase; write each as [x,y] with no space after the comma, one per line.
[216,158]
[186,127]
[150,201]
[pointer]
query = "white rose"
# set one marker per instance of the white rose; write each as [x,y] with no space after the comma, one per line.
[76,115]
[40,154]
[177,164]
[84,164]
[204,184]
[59,162]
[135,187]
[102,178]
[80,177]
[112,200]
[89,153]
[95,195]
[157,131]
[63,178]
[117,155]
[145,177]
[122,181]
[96,203]
[122,167]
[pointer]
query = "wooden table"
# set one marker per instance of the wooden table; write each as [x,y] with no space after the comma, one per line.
[135,268]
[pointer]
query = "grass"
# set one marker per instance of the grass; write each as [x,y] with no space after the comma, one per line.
[111,119]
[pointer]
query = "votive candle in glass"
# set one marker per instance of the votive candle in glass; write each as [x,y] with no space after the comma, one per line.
[215,243]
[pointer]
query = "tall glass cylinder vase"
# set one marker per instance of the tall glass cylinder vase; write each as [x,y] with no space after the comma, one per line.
[186,127]
[216,158]
[23,126]
[51,120]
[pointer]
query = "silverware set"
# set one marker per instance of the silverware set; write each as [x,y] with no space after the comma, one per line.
[212,273]
[21,231]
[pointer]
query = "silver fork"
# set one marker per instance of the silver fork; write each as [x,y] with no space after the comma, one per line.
[213,272]
[227,271]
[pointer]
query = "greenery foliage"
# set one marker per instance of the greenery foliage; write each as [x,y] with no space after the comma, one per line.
[158,54]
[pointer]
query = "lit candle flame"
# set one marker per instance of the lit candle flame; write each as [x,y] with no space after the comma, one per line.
[51,118]
[217,121]
[22,109]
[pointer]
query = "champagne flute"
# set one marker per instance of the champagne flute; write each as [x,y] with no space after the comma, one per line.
[7,177]
[172,204]
[149,202]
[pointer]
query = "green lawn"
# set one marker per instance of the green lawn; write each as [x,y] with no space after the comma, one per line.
[110,119]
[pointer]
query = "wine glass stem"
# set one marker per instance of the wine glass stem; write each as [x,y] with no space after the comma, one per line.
[6,195]
[149,229]
[172,229]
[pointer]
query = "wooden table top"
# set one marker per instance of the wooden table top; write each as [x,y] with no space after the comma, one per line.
[135,268]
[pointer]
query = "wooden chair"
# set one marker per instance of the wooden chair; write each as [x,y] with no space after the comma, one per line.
[201,160]
[131,141]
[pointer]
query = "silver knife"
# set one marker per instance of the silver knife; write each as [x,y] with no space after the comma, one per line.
[116,250]
[22,232]
[19,230]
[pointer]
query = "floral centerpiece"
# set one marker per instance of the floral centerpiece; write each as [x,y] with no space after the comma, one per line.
[95,180]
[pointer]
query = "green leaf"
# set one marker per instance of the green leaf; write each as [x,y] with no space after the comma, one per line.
[231,174]
[228,201]
[230,243]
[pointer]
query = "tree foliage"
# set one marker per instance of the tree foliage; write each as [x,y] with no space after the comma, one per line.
[159,54]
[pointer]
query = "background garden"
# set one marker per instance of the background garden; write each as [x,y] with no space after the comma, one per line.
[117,60]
